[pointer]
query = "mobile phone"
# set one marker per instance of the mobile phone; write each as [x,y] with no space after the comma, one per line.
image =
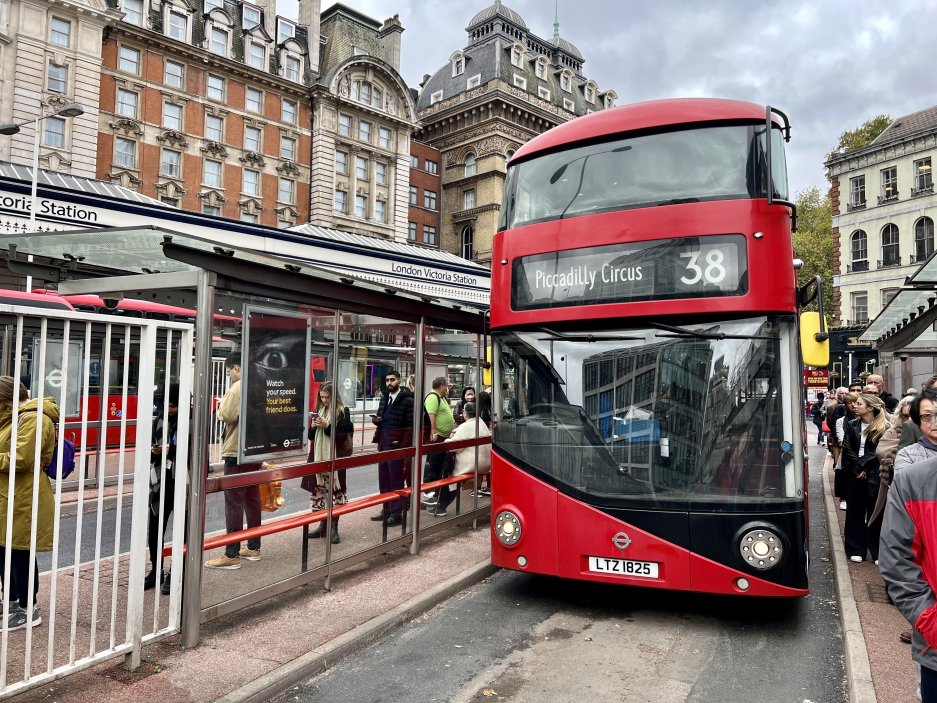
[313,416]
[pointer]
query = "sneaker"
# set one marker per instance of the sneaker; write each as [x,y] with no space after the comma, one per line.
[164,589]
[224,562]
[438,512]
[250,554]
[17,619]
[428,502]
[905,636]
[842,505]
[485,491]
[856,559]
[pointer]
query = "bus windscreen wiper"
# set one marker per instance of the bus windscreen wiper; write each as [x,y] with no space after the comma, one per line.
[683,332]
[585,337]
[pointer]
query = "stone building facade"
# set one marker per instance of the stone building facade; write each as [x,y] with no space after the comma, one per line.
[884,208]
[506,86]
[205,105]
[364,115]
[50,55]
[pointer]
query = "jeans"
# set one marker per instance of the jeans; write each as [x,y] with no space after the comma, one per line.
[19,575]
[238,504]
[928,685]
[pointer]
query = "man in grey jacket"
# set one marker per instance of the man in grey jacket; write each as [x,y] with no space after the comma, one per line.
[908,562]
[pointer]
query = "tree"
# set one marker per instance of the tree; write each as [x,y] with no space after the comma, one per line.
[861,136]
[813,242]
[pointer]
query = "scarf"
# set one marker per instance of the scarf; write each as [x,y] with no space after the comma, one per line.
[927,444]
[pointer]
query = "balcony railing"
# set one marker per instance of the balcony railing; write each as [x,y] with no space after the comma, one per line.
[855,206]
[861,320]
[918,258]
[889,263]
[857,266]
[883,199]
[923,190]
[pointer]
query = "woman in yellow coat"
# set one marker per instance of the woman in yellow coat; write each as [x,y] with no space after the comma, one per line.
[26,473]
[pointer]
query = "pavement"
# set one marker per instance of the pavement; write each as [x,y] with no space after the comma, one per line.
[260,652]
[879,668]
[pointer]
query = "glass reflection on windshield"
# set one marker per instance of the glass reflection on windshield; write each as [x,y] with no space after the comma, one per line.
[652,414]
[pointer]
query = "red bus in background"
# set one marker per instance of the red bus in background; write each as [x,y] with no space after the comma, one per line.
[644,311]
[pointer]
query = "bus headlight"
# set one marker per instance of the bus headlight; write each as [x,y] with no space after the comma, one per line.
[761,548]
[508,528]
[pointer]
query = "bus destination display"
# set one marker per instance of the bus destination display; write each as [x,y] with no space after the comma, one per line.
[663,269]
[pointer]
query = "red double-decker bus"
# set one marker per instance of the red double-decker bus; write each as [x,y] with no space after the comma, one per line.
[647,353]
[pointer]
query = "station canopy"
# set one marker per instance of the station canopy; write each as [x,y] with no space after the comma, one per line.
[907,324]
[149,251]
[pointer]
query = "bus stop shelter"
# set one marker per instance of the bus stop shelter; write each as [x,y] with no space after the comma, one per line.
[349,332]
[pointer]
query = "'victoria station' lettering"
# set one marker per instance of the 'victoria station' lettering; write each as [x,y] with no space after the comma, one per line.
[48,207]
[433,274]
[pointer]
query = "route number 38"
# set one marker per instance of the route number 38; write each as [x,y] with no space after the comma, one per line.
[711,271]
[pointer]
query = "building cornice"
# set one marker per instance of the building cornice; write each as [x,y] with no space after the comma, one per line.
[178,49]
[875,155]
[493,89]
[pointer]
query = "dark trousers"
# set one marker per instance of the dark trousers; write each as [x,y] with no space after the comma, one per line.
[858,537]
[154,535]
[928,685]
[238,504]
[19,575]
[390,478]
[841,480]
[438,465]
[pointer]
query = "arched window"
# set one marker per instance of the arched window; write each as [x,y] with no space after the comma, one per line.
[923,238]
[859,243]
[891,255]
[469,165]
[468,241]
[367,93]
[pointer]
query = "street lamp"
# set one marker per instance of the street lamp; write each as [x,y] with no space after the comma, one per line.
[67,110]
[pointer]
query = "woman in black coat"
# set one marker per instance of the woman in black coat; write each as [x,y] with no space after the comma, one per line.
[860,438]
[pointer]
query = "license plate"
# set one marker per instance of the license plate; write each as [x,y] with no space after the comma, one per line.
[624,567]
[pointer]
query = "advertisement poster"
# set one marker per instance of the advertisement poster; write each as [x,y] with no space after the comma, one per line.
[274,385]
[55,373]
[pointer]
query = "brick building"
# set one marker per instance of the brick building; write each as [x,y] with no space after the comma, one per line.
[425,188]
[206,107]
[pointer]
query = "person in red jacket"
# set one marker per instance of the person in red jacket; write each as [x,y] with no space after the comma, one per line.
[908,560]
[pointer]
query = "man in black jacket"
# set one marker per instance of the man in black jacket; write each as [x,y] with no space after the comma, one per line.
[891,402]
[394,421]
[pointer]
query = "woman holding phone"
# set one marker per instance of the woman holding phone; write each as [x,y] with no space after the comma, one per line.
[320,434]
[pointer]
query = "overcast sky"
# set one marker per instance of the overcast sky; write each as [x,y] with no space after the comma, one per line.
[829,64]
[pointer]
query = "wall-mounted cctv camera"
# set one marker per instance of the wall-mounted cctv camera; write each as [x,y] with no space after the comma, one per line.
[903,357]
[111,302]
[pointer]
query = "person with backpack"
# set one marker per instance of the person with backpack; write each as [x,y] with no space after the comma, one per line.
[394,421]
[818,413]
[33,423]
[438,416]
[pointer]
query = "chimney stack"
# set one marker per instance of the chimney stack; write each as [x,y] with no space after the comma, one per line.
[390,39]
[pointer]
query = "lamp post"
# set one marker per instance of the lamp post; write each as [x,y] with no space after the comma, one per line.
[67,110]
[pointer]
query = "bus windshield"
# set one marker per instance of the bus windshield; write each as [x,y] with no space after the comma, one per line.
[688,165]
[654,414]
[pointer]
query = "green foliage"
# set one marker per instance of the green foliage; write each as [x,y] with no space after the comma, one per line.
[813,243]
[861,136]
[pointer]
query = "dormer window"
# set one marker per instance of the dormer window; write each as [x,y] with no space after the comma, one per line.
[292,68]
[458,64]
[257,56]
[590,93]
[285,30]
[178,26]
[543,92]
[474,81]
[610,99]
[517,55]
[435,97]
[541,68]
[250,17]
[133,12]
[566,81]
[218,42]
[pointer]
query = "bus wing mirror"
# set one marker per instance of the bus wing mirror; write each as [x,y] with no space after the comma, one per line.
[814,343]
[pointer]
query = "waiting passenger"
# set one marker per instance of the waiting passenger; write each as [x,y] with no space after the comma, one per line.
[464,458]
[320,434]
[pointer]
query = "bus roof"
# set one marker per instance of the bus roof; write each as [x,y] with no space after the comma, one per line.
[39,299]
[637,117]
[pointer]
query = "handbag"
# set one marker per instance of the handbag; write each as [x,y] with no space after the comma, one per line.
[271,496]
[867,463]
[825,427]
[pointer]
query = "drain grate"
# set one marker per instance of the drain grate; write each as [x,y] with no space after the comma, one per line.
[877,592]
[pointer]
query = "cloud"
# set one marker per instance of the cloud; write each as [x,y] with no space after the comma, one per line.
[829,65]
